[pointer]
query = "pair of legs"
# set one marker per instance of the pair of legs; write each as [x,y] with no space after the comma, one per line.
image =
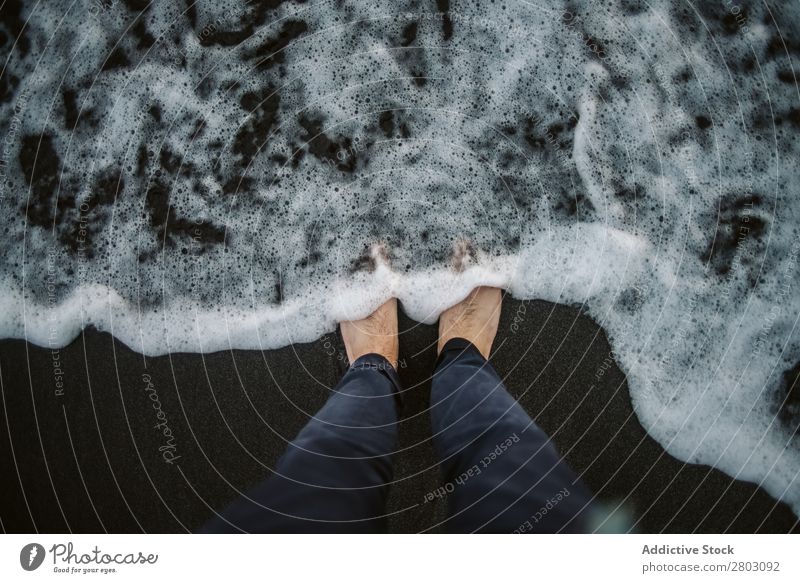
[500,471]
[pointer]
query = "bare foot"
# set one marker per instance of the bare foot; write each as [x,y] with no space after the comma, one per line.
[377,333]
[463,255]
[474,319]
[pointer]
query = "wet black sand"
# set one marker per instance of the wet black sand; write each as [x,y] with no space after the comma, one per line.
[89,460]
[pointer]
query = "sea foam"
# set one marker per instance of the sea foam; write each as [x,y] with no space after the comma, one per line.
[211,175]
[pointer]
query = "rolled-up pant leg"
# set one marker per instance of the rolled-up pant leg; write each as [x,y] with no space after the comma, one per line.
[334,477]
[502,473]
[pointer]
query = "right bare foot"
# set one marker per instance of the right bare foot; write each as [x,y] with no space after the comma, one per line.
[474,319]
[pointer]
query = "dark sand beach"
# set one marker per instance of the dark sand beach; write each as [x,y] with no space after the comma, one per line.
[93,460]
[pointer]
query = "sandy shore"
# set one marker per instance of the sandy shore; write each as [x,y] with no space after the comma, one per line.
[103,439]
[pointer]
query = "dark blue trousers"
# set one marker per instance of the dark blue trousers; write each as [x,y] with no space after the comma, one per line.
[501,472]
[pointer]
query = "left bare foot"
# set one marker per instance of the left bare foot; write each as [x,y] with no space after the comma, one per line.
[377,333]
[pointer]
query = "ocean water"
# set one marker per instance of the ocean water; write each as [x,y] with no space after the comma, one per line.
[200,176]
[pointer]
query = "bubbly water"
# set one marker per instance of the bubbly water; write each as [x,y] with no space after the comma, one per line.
[199,176]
